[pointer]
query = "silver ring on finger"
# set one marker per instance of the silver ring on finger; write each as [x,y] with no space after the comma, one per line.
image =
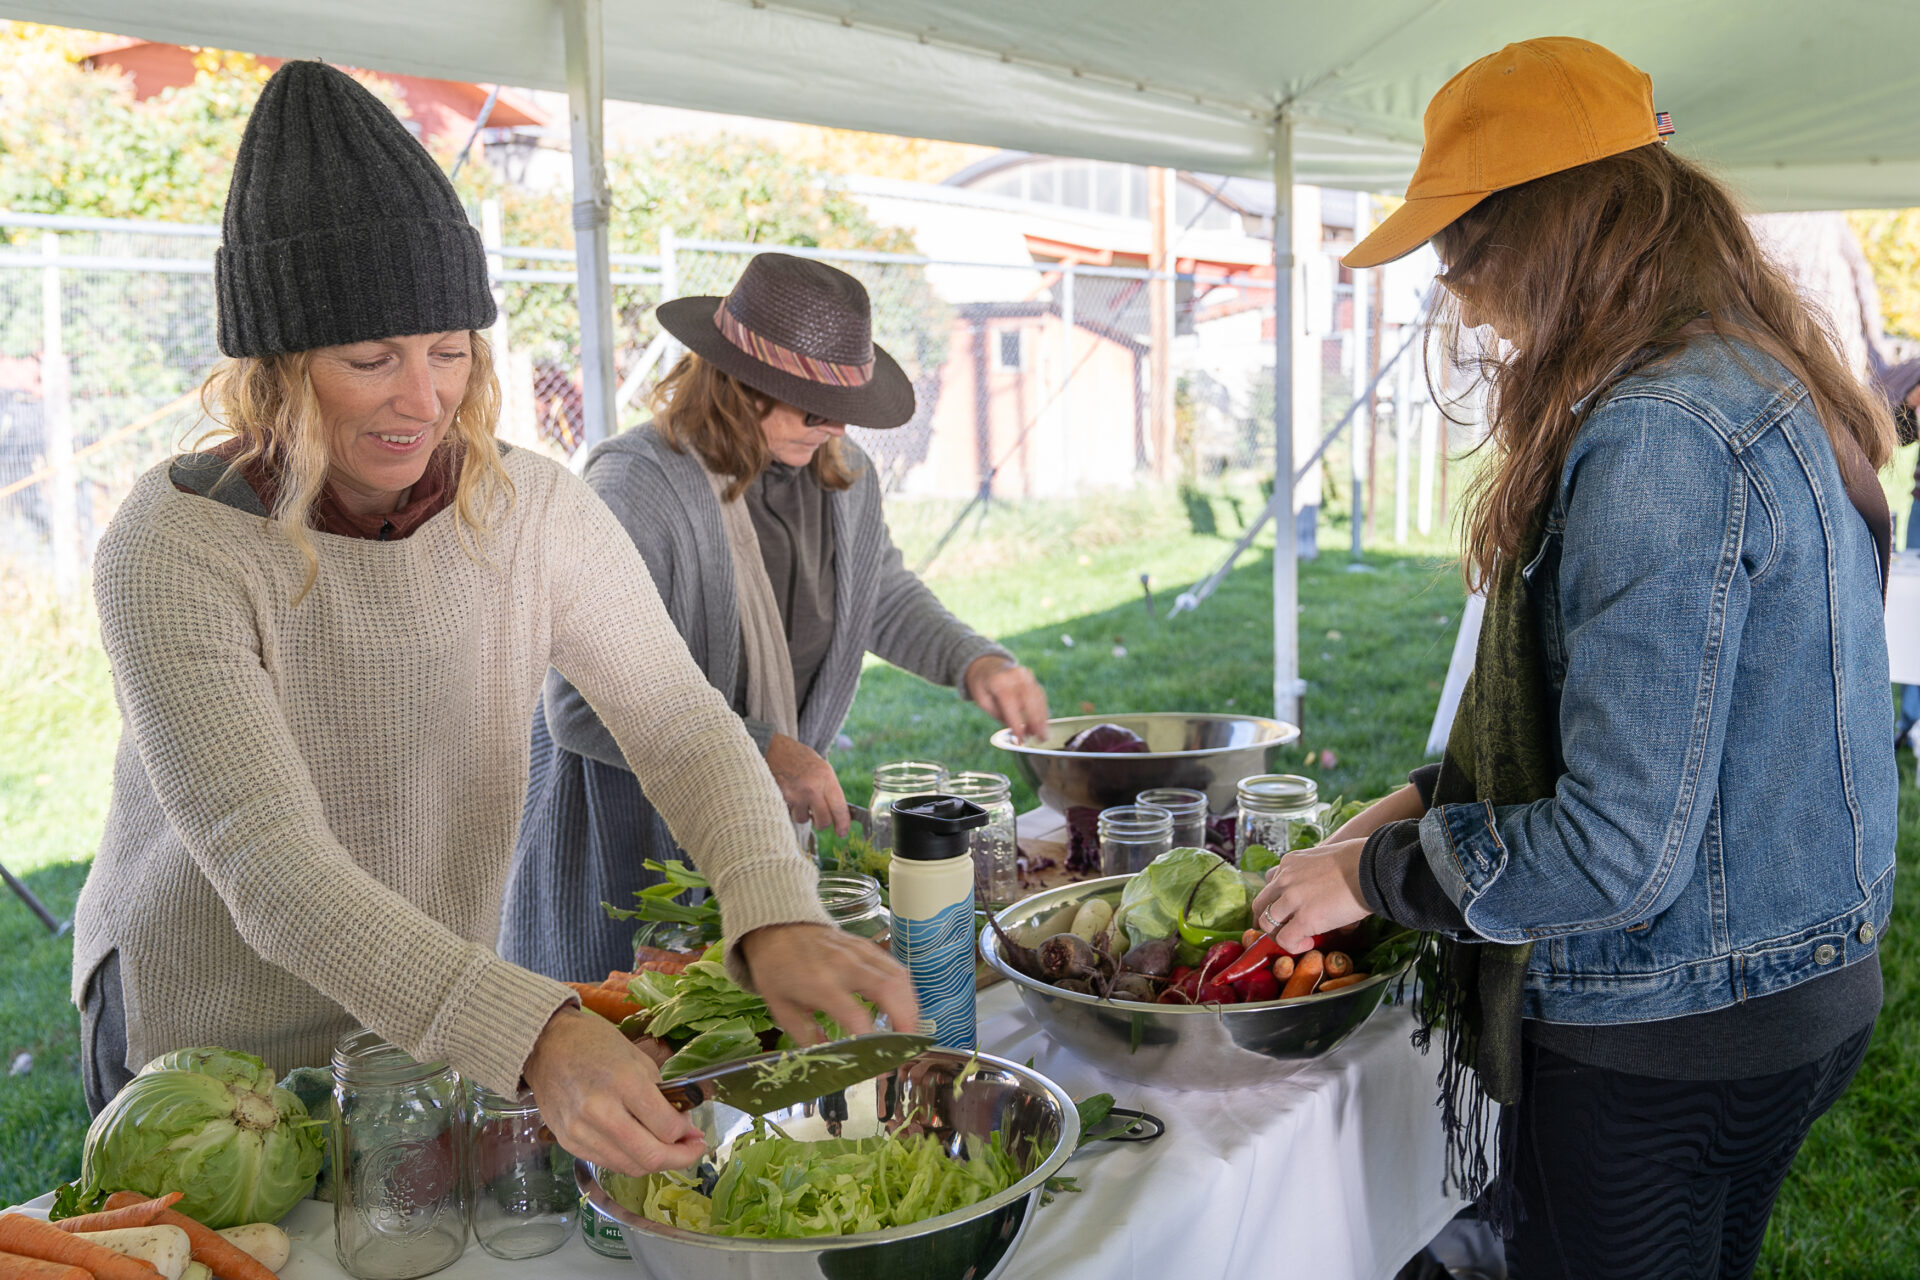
[1266,918]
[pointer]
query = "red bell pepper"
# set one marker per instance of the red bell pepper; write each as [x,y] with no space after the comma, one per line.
[1255,958]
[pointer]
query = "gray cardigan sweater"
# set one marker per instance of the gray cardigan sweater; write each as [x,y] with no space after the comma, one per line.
[587,827]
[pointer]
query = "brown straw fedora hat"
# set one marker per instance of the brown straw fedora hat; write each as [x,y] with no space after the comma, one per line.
[799,331]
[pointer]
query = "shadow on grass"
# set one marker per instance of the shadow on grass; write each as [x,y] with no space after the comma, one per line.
[42,1115]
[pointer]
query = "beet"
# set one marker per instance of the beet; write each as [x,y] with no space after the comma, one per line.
[1107,738]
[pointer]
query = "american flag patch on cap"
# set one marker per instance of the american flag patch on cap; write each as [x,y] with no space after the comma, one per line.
[1663,124]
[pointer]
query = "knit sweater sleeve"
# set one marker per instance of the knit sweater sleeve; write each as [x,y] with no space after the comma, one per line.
[613,641]
[177,618]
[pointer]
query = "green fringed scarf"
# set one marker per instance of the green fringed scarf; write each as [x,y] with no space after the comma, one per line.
[1503,750]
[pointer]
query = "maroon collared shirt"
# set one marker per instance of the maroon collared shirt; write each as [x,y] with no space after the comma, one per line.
[430,494]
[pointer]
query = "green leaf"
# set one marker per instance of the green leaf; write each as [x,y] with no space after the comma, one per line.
[729,1041]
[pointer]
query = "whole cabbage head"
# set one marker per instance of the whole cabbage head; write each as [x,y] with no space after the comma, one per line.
[209,1123]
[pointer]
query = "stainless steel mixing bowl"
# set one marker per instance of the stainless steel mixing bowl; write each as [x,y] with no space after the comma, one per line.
[1209,753]
[1201,1047]
[1034,1116]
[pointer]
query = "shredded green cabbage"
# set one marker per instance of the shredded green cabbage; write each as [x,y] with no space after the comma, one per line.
[776,1188]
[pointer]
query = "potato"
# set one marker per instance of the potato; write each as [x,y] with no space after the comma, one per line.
[1093,916]
[165,1248]
[265,1243]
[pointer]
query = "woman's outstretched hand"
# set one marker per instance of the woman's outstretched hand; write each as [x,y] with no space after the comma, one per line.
[1009,693]
[799,969]
[1312,891]
[807,783]
[601,1097]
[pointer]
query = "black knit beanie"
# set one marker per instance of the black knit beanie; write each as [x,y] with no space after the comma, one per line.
[339,226]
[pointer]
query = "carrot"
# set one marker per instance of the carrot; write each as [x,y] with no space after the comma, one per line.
[1334,984]
[1282,968]
[1307,972]
[15,1267]
[32,1238]
[144,1214]
[1339,964]
[611,1005]
[221,1258]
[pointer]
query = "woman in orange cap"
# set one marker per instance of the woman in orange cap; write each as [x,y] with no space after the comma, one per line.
[1659,850]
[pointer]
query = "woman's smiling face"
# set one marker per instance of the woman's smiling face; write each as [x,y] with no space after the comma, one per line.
[386,405]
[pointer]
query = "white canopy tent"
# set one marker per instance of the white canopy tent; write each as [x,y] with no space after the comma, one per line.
[1801,104]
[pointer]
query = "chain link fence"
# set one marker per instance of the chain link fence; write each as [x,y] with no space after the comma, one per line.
[1034,380]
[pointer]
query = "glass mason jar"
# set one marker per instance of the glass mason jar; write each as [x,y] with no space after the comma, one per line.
[853,903]
[996,877]
[1131,836]
[602,1234]
[399,1141]
[1274,809]
[895,782]
[1189,810]
[524,1192]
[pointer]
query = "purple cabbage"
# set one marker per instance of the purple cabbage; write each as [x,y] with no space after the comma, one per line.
[1107,738]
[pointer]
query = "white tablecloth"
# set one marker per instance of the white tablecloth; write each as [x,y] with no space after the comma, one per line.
[1903,617]
[1332,1173]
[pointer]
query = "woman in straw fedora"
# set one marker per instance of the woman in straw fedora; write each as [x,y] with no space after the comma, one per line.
[327,633]
[1658,853]
[761,524]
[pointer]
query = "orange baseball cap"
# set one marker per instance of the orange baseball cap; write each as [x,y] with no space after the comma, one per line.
[1533,108]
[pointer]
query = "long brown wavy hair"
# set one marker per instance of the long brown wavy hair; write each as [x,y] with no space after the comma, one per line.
[700,408]
[1586,269]
[268,403]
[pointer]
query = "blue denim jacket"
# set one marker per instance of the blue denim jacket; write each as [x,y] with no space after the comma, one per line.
[1711,610]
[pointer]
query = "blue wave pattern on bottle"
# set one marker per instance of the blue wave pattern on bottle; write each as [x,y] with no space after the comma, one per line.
[938,953]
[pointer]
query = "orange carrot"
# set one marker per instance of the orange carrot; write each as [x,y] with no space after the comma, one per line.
[1334,984]
[1282,968]
[611,1005]
[144,1214]
[1307,972]
[1339,964]
[227,1261]
[15,1267]
[32,1238]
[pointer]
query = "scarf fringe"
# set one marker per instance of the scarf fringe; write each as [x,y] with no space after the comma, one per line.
[1469,1117]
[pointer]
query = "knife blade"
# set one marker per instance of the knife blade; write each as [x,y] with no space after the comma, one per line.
[771,1081]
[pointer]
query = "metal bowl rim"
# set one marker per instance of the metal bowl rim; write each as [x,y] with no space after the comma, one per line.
[1060,896]
[589,1176]
[1003,738]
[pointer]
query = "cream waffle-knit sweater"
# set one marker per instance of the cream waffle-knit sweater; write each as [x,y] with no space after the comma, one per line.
[314,806]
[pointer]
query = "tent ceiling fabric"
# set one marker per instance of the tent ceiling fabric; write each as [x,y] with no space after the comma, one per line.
[1801,103]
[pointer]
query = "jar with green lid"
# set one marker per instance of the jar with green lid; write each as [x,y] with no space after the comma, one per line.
[399,1146]
[853,903]
[1275,808]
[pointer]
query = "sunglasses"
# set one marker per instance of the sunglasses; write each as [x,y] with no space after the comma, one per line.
[817,420]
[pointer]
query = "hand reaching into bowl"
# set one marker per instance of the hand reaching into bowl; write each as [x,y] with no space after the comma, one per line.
[1312,891]
[1009,693]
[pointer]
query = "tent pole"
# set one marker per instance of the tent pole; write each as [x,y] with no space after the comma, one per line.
[1286,567]
[586,91]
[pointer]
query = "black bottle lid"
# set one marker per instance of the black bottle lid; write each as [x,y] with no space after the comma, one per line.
[934,828]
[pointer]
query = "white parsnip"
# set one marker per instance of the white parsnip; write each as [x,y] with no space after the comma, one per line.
[197,1271]
[1094,915]
[166,1249]
[265,1243]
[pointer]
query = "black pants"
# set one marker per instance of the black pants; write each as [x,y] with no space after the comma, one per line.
[1629,1177]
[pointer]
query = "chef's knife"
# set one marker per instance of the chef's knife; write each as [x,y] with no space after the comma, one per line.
[771,1081]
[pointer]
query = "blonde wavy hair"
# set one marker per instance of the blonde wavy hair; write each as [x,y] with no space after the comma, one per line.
[268,403]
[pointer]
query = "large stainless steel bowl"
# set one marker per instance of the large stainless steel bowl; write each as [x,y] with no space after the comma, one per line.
[1209,753]
[1202,1047]
[1034,1116]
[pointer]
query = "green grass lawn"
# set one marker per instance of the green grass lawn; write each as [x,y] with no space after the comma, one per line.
[1374,647]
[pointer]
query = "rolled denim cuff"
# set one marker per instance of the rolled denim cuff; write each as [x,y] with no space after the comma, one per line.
[1463,849]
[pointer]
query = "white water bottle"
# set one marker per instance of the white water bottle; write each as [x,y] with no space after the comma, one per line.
[930,890]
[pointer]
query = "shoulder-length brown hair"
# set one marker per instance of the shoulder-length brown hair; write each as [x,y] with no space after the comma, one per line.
[700,408]
[1585,270]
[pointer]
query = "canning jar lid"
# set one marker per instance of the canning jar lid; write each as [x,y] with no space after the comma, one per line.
[1277,792]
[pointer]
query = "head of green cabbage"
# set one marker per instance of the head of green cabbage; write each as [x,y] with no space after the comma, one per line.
[209,1123]
[1151,905]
